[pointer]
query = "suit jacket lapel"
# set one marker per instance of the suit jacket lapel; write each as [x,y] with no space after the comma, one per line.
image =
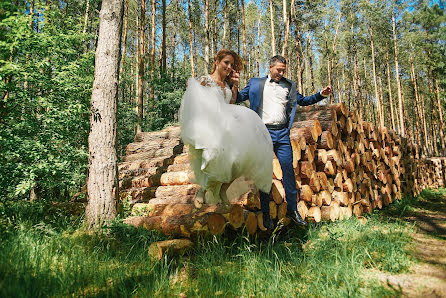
[261,87]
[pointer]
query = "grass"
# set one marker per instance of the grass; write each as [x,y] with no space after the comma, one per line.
[50,254]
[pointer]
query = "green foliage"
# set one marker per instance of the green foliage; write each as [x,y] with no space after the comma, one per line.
[46,80]
[168,90]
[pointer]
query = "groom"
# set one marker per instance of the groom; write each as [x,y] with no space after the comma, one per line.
[274,98]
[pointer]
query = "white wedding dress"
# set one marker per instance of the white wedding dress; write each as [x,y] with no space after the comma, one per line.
[226,141]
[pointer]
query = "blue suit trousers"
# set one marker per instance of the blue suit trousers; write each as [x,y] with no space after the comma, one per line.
[284,153]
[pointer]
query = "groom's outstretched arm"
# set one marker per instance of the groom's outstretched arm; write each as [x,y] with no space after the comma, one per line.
[309,100]
[243,94]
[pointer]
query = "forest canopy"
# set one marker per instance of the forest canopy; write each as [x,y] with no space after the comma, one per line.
[384,58]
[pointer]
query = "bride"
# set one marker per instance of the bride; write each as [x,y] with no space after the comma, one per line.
[226,141]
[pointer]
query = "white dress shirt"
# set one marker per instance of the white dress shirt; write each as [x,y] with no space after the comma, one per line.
[275,98]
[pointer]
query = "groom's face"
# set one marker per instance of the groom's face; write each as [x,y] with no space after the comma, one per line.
[277,70]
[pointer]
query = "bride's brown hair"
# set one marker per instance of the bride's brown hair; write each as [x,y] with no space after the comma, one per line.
[238,62]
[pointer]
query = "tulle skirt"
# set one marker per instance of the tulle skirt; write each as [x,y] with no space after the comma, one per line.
[226,141]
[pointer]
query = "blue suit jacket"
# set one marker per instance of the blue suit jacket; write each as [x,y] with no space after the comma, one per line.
[254,92]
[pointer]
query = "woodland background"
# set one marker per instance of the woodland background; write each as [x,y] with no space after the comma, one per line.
[385,58]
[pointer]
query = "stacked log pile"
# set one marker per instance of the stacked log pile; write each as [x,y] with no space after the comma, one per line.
[343,166]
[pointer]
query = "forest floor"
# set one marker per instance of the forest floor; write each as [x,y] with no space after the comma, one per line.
[427,275]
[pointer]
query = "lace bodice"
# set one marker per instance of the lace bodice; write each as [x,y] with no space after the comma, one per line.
[226,92]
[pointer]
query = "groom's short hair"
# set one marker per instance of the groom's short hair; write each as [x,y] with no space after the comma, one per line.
[277,59]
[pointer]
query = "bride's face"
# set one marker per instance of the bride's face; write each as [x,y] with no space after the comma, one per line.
[224,66]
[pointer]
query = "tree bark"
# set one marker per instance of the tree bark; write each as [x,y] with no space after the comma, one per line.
[389,84]
[101,206]
[397,74]
[225,22]
[191,44]
[378,101]
[141,59]
[245,53]
[124,37]
[206,35]
[273,37]
[163,43]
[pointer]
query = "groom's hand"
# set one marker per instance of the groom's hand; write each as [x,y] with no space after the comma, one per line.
[327,91]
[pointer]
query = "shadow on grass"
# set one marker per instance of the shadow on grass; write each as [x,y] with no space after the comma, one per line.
[427,211]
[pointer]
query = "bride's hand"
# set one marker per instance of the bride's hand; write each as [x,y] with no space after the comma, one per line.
[234,78]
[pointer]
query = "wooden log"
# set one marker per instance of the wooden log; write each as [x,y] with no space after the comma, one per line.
[345,212]
[329,169]
[236,190]
[277,191]
[334,156]
[309,154]
[281,210]
[314,214]
[302,209]
[236,217]
[250,222]
[307,168]
[260,225]
[179,167]
[330,213]
[340,197]
[306,128]
[272,209]
[277,169]
[326,140]
[177,178]
[347,185]
[176,190]
[182,158]
[323,180]
[357,210]
[250,200]
[172,247]
[296,152]
[316,200]
[325,197]
[306,193]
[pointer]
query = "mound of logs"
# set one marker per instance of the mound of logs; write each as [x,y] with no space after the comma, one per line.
[343,166]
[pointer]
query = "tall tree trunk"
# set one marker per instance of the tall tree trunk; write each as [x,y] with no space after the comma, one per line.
[286,24]
[389,84]
[215,36]
[225,22]
[440,115]
[163,42]
[206,35]
[101,207]
[397,74]
[245,53]
[141,58]
[273,37]
[299,52]
[310,61]
[87,11]
[417,106]
[191,44]
[378,101]
[124,37]
[258,48]
[358,95]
